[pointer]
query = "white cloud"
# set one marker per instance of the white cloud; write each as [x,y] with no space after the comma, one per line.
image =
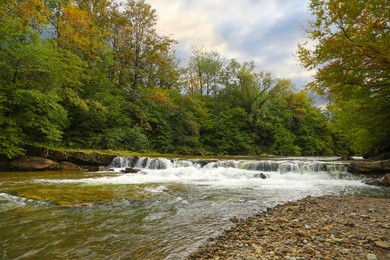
[266,31]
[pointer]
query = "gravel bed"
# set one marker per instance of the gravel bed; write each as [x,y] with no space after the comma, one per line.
[328,227]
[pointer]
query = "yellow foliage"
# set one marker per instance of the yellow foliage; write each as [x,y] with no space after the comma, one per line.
[160,96]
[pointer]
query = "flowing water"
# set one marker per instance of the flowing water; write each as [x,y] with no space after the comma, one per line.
[164,211]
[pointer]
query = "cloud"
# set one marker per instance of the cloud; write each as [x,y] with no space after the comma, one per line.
[264,31]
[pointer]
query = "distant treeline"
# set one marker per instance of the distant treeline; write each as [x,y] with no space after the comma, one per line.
[95,74]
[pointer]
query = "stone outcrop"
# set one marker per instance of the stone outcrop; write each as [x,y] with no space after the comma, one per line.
[66,166]
[32,163]
[43,159]
[367,167]
[91,158]
[385,180]
[77,157]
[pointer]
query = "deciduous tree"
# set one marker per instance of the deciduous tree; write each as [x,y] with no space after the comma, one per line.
[351,55]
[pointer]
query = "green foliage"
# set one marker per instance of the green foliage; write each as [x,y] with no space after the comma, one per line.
[226,133]
[97,75]
[351,55]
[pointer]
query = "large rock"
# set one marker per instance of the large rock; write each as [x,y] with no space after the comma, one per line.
[370,166]
[32,163]
[66,166]
[131,170]
[91,158]
[78,157]
[385,180]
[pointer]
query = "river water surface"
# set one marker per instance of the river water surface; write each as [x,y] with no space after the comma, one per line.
[165,211]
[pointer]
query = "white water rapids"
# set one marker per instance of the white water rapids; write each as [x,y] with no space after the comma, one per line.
[267,174]
[164,211]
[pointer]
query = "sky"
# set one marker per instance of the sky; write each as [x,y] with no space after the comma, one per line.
[265,31]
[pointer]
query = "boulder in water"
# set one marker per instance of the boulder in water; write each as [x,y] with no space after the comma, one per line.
[370,166]
[66,166]
[385,180]
[131,170]
[32,163]
[260,175]
[91,158]
[382,181]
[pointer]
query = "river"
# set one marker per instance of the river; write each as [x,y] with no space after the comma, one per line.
[165,211]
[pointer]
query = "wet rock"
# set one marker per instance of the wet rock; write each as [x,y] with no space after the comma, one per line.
[31,163]
[382,244]
[131,170]
[370,166]
[90,168]
[302,233]
[202,163]
[312,228]
[103,169]
[91,158]
[260,175]
[259,251]
[250,258]
[385,180]
[381,181]
[66,166]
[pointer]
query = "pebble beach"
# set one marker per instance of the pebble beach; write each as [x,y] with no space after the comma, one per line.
[328,227]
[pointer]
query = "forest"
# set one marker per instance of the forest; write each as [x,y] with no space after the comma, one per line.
[94,74]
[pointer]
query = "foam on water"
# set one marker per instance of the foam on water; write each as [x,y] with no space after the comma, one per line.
[230,177]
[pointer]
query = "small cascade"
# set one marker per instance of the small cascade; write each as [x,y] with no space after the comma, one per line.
[266,166]
[289,167]
[222,164]
[141,163]
[334,169]
[182,163]
[337,170]
[153,163]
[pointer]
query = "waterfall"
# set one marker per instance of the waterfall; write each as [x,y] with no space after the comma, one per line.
[141,163]
[302,166]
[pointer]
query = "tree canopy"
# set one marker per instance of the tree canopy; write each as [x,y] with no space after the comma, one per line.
[351,55]
[96,74]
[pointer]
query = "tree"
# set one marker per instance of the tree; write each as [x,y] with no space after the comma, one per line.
[204,71]
[227,133]
[309,126]
[247,88]
[351,54]
[33,75]
[142,58]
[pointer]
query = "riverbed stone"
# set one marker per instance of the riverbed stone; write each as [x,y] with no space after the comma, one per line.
[371,257]
[328,216]
[385,180]
[66,166]
[32,163]
[382,244]
[370,166]
[91,158]
[131,170]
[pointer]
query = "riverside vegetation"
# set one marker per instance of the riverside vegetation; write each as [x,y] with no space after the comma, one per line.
[97,75]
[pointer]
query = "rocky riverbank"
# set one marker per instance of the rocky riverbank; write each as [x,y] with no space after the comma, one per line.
[328,227]
[45,159]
